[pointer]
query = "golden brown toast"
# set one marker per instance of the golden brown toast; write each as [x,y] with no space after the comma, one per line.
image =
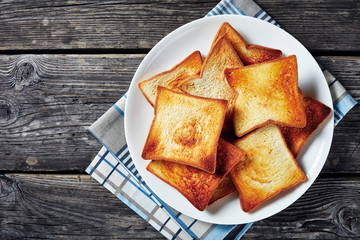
[249,54]
[185,129]
[267,92]
[225,188]
[190,67]
[316,113]
[212,82]
[268,169]
[197,185]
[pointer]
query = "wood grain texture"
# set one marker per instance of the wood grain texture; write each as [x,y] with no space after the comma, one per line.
[319,25]
[93,24]
[48,102]
[330,209]
[345,150]
[77,207]
[65,207]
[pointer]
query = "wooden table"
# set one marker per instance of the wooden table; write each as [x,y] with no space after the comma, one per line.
[64,63]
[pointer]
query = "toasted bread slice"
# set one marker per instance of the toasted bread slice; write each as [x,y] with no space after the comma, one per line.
[249,54]
[224,189]
[268,169]
[185,129]
[316,113]
[190,67]
[268,92]
[212,82]
[197,185]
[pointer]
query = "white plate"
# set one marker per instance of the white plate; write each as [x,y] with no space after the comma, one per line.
[198,35]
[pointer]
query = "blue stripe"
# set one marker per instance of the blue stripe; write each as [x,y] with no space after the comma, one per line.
[243,231]
[258,13]
[336,115]
[219,231]
[107,177]
[121,150]
[168,210]
[139,179]
[118,109]
[217,8]
[128,179]
[178,215]
[271,19]
[132,206]
[265,16]
[127,162]
[237,7]
[132,167]
[192,224]
[124,156]
[336,107]
[125,96]
[223,8]
[172,214]
[164,224]
[98,162]
[176,234]
[347,103]
[230,7]
[332,82]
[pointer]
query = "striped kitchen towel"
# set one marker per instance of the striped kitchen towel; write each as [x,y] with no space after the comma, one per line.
[114,169]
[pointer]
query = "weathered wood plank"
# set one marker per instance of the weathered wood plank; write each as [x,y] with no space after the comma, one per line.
[330,209]
[345,150]
[77,207]
[64,207]
[48,101]
[319,25]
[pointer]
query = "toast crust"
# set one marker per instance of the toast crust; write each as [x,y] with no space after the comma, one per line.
[212,83]
[224,189]
[185,129]
[268,169]
[268,93]
[196,185]
[249,53]
[188,68]
[316,113]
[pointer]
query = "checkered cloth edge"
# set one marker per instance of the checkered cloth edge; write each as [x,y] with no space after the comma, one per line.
[115,170]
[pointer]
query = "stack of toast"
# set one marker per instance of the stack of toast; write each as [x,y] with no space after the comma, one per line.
[235,122]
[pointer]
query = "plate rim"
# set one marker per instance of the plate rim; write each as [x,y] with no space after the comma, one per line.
[222,17]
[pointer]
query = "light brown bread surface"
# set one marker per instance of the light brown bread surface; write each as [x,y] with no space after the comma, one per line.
[225,188]
[197,185]
[249,54]
[190,67]
[267,92]
[316,113]
[268,169]
[212,82]
[185,129]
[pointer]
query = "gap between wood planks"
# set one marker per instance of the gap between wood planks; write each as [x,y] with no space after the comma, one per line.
[94,51]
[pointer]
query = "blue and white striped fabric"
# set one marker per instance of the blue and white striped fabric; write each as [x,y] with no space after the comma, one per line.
[115,170]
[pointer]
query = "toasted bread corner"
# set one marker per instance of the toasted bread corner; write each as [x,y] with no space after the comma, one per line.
[188,68]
